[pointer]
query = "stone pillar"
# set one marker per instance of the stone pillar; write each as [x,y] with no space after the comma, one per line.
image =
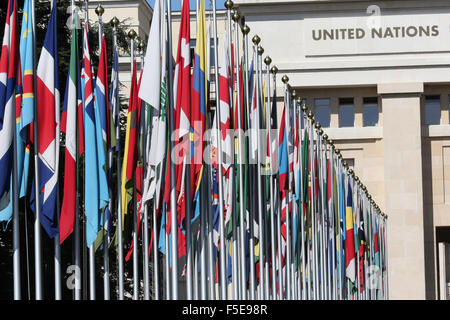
[359,110]
[402,140]
[334,112]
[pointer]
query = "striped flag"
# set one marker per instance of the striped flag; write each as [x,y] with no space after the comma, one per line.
[69,127]
[199,97]
[48,118]
[128,163]
[8,69]
[101,128]
[95,178]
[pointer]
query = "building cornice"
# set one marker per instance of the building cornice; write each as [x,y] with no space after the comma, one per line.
[272,7]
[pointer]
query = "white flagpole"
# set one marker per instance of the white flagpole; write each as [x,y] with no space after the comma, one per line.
[258,52]
[222,266]
[37,221]
[146,141]
[229,5]
[267,62]
[115,23]
[173,203]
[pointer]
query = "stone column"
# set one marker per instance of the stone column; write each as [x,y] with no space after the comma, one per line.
[402,140]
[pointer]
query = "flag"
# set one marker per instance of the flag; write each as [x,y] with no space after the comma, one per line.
[349,238]
[128,164]
[155,80]
[8,69]
[48,118]
[69,127]
[101,128]
[27,107]
[283,154]
[95,179]
[199,96]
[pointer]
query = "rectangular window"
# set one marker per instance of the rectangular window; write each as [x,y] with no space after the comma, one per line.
[370,112]
[322,112]
[432,110]
[351,163]
[346,112]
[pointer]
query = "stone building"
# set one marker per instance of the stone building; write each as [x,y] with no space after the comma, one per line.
[377,76]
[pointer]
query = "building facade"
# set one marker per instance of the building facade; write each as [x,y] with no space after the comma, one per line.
[377,76]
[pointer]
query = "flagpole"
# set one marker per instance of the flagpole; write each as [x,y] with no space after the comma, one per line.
[234,239]
[322,227]
[288,195]
[15,206]
[91,248]
[258,52]
[263,123]
[294,202]
[37,221]
[145,142]
[173,203]
[246,31]
[99,11]
[268,61]
[327,229]
[229,5]
[132,36]
[76,239]
[301,247]
[243,294]
[115,23]
[222,268]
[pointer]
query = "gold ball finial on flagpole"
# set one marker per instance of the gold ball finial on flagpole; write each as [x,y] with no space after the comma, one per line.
[256,39]
[141,45]
[321,131]
[132,34]
[115,22]
[267,61]
[260,50]
[317,126]
[99,10]
[350,172]
[246,30]
[294,94]
[274,70]
[310,115]
[325,137]
[304,108]
[236,16]
[229,4]
[285,79]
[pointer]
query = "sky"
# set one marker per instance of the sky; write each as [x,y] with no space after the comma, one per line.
[176,4]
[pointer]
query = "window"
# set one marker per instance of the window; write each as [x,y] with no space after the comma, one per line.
[322,112]
[432,110]
[351,163]
[346,112]
[370,112]
[193,44]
